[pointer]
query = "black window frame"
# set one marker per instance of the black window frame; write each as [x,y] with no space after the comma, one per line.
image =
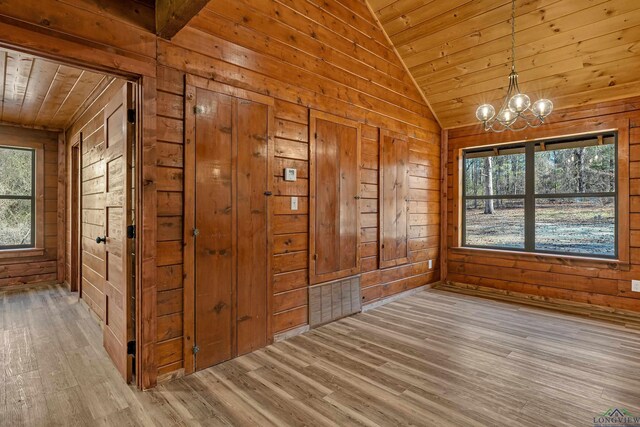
[530,196]
[31,197]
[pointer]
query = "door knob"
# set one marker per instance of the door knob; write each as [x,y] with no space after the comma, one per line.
[101,239]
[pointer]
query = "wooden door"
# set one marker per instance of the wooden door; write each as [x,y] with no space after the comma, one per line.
[334,198]
[230,218]
[393,201]
[214,222]
[118,141]
[252,227]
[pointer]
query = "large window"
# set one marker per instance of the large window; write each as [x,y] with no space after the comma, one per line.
[17,197]
[555,196]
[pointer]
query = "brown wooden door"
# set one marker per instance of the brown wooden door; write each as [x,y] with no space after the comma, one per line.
[335,187]
[231,219]
[117,330]
[393,200]
[252,227]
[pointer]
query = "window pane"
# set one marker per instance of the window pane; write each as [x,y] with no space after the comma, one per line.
[503,228]
[15,222]
[576,225]
[495,175]
[576,170]
[15,171]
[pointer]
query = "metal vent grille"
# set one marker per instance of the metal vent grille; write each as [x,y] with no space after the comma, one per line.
[333,300]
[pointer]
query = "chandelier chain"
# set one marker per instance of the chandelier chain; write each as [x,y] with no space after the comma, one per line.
[513,35]
[516,112]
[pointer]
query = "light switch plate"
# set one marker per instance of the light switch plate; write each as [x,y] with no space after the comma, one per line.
[430,264]
[635,285]
[294,203]
[290,174]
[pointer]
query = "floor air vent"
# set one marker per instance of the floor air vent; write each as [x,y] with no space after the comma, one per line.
[333,300]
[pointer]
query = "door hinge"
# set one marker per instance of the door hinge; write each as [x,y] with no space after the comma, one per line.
[196,232]
[198,109]
[131,115]
[131,231]
[131,348]
[268,193]
[315,257]
[195,349]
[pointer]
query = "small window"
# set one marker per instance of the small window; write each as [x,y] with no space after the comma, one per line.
[555,196]
[17,198]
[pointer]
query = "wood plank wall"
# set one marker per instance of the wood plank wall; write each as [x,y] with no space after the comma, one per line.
[41,268]
[601,283]
[332,58]
[170,163]
[91,125]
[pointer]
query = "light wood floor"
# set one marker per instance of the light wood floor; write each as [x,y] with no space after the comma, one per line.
[436,358]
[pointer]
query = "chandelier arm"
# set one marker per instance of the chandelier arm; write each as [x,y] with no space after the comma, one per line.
[516,85]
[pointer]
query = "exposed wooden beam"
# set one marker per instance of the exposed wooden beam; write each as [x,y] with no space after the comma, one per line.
[173,15]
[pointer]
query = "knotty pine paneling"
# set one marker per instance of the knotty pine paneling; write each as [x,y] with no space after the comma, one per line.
[41,268]
[331,57]
[90,125]
[290,228]
[579,53]
[304,58]
[600,283]
[170,164]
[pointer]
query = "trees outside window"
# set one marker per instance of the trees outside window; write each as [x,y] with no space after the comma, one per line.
[565,204]
[17,197]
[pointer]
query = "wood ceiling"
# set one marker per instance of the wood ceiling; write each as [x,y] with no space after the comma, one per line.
[40,93]
[459,51]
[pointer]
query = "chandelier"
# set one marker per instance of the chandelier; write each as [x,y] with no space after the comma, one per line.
[516,112]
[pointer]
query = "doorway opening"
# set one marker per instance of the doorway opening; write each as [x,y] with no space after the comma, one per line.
[67,189]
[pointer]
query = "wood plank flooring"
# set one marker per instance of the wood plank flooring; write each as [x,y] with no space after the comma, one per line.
[434,358]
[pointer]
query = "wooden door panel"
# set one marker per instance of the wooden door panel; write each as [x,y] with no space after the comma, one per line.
[327,195]
[252,183]
[334,220]
[394,206]
[349,189]
[118,142]
[214,257]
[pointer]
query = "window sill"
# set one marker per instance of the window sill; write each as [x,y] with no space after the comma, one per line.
[568,260]
[21,253]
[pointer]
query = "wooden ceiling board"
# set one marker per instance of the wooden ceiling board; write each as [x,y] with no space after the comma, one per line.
[40,93]
[83,88]
[575,52]
[37,90]
[17,73]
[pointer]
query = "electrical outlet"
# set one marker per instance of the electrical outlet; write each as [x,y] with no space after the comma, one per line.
[430,264]
[290,174]
[635,285]
[294,203]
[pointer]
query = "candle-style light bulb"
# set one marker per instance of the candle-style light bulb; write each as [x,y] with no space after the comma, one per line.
[485,112]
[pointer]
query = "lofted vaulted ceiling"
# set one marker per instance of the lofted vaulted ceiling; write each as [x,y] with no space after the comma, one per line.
[40,93]
[573,52]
